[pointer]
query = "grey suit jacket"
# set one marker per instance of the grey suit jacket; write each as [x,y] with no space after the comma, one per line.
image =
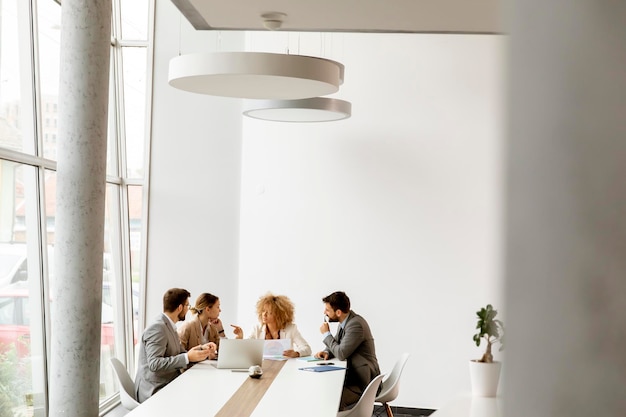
[161,358]
[357,347]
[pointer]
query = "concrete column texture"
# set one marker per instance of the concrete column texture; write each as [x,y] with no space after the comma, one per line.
[566,209]
[80,206]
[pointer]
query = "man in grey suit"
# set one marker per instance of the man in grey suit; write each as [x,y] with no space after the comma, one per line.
[161,356]
[353,342]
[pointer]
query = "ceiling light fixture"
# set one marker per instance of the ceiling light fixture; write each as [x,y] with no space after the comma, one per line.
[256,75]
[317,109]
[273,20]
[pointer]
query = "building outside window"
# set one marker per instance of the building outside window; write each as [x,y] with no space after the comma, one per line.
[28,146]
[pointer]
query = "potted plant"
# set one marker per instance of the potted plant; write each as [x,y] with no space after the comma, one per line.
[485,372]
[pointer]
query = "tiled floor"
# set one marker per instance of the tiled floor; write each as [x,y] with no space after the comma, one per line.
[401,412]
[400,415]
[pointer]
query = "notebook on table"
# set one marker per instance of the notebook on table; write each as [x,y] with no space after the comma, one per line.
[322,368]
[240,354]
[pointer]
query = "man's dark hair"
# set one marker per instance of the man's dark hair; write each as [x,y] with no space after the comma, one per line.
[338,301]
[173,298]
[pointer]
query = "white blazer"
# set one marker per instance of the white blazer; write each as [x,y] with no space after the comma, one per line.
[289,332]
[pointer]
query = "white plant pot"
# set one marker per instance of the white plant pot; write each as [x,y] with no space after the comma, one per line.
[484,378]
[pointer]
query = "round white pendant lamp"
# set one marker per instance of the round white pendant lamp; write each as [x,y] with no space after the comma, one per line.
[309,110]
[256,75]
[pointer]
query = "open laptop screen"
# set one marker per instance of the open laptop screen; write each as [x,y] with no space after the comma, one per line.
[240,353]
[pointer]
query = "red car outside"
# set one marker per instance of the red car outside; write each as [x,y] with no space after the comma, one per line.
[15,320]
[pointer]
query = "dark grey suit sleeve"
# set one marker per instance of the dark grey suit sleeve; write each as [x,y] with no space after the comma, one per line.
[357,347]
[353,336]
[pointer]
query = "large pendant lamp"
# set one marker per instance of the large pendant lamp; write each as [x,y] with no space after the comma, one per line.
[256,75]
[308,110]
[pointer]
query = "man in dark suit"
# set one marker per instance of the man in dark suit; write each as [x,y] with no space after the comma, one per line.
[353,342]
[161,356]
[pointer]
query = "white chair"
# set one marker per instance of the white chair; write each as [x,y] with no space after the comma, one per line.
[391,384]
[365,406]
[127,386]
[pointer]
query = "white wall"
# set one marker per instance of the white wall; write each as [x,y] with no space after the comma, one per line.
[399,205]
[195,175]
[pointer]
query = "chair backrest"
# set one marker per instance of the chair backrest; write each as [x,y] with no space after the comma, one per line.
[365,406]
[391,384]
[127,387]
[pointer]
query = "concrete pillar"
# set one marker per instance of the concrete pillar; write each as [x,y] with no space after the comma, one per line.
[566,209]
[81,172]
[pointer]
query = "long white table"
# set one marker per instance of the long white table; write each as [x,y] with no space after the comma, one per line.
[203,390]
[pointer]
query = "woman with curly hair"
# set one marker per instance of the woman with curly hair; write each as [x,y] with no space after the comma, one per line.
[276,314]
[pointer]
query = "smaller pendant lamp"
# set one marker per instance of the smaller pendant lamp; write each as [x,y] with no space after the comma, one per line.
[309,110]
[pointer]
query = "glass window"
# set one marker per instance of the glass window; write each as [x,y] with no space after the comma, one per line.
[135,210]
[135,19]
[113,328]
[15,91]
[49,31]
[50,187]
[28,194]
[135,69]
[21,327]
[7,311]
[112,130]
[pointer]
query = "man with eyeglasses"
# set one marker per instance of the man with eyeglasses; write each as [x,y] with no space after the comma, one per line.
[353,343]
[161,356]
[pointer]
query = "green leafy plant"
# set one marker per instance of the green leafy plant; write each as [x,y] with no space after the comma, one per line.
[9,398]
[14,381]
[490,329]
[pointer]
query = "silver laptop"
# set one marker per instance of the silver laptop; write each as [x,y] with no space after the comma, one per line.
[240,353]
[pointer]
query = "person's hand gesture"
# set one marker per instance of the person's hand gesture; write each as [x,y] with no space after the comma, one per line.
[212,348]
[322,355]
[218,325]
[324,328]
[238,331]
[198,353]
[290,353]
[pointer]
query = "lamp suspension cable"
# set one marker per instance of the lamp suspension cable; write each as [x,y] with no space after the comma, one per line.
[180,32]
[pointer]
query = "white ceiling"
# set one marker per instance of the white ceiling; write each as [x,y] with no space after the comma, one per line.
[410,16]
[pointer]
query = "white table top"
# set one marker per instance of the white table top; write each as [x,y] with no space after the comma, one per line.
[469,406]
[204,389]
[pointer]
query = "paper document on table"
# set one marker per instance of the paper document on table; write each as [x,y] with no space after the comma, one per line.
[274,348]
